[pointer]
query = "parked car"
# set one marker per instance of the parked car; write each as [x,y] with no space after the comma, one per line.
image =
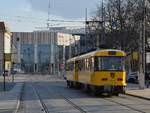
[132,77]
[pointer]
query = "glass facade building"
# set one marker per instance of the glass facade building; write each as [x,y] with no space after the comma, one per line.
[43,58]
[27,57]
[42,51]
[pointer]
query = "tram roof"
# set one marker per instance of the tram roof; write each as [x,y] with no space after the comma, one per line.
[104,52]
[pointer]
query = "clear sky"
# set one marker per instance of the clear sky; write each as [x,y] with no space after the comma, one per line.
[27,15]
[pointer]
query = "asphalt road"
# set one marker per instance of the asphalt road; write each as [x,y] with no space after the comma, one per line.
[46,94]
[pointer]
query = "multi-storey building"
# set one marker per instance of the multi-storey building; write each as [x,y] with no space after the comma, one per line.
[41,51]
[5,48]
[35,51]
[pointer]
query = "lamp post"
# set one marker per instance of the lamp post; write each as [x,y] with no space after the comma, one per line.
[64,57]
[13,72]
[4,80]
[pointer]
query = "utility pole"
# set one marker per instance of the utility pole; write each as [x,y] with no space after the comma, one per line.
[141,75]
[64,57]
[48,20]
[75,45]
[70,51]
[85,30]
[4,81]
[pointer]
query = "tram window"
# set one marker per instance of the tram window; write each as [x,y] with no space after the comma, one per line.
[79,66]
[82,65]
[71,66]
[67,67]
[86,64]
[76,65]
[90,64]
[96,64]
[99,63]
[109,63]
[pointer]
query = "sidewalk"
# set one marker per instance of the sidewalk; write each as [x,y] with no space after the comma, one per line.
[9,100]
[133,90]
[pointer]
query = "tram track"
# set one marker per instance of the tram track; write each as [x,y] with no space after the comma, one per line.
[22,107]
[124,105]
[45,107]
[20,101]
[77,107]
[73,104]
[107,99]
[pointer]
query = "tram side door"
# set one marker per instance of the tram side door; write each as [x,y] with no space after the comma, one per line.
[76,70]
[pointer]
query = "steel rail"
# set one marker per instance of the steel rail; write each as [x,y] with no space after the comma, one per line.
[45,109]
[127,106]
[73,104]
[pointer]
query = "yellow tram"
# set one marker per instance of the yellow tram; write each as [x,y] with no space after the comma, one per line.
[101,71]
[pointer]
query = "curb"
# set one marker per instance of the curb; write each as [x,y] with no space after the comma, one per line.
[19,98]
[145,98]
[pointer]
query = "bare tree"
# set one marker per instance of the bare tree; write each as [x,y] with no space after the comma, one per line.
[122,18]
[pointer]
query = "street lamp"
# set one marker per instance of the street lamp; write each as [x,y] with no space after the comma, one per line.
[4,81]
[64,57]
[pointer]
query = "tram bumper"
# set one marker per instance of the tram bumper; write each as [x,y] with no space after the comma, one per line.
[114,89]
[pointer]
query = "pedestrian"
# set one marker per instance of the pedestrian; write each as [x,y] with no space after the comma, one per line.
[147,79]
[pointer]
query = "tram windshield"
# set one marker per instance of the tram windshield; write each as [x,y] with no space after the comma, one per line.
[110,63]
